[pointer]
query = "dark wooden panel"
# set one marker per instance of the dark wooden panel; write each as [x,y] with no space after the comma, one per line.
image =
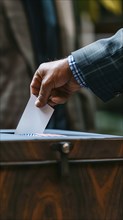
[43,150]
[91,192]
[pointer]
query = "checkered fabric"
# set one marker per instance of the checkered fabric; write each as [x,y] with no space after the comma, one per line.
[76,71]
[101,66]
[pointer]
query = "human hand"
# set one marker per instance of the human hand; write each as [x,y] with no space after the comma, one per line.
[53,83]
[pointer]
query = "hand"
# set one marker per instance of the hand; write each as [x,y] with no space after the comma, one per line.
[53,83]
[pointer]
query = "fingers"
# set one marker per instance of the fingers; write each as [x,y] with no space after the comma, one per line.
[59,100]
[35,84]
[58,96]
[50,76]
[41,87]
[56,100]
[44,93]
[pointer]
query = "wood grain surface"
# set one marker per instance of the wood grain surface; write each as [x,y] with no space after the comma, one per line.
[44,150]
[92,191]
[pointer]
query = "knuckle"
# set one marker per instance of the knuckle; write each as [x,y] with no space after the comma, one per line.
[42,68]
[46,83]
[37,73]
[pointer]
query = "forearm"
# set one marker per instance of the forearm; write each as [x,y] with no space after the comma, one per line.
[101,65]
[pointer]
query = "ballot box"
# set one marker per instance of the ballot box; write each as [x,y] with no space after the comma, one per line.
[61,175]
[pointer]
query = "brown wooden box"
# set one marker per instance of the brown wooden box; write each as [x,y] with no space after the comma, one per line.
[78,176]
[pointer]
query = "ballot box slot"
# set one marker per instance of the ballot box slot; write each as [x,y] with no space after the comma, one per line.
[7,132]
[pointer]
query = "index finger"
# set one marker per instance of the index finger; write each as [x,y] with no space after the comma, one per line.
[35,84]
[44,93]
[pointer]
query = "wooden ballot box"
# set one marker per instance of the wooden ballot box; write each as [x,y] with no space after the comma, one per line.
[63,175]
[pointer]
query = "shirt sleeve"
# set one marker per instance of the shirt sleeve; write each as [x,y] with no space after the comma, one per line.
[76,71]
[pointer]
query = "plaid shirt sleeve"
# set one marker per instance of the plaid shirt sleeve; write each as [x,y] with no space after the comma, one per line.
[76,71]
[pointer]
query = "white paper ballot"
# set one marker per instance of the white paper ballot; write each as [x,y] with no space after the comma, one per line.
[34,119]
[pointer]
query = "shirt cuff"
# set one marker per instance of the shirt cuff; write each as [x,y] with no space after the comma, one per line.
[76,71]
